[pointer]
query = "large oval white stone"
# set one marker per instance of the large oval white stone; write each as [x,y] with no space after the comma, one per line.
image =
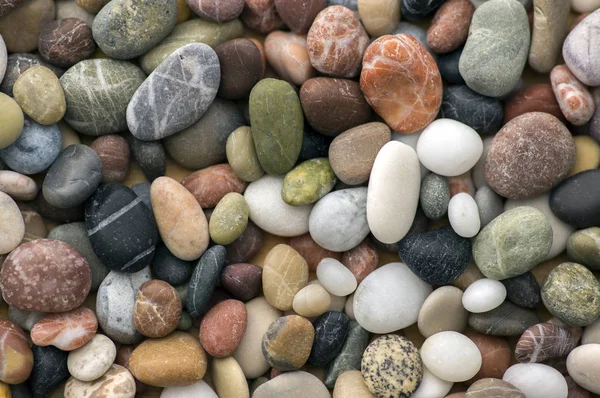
[393,192]
[451,356]
[583,366]
[536,380]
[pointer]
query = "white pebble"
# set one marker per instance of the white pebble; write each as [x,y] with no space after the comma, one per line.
[432,386]
[90,361]
[449,148]
[463,214]
[451,356]
[199,389]
[483,295]
[335,277]
[536,380]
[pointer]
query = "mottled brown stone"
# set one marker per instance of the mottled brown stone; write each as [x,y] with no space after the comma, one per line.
[544,341]
[286,53]
[117,382]
[6,6]
[575,100]
[21,28]
[114,152]
[450,26]
[336,42]
[16,358]
[493,388]
[241,67]
[361,260]
[242,281]
[217,10]
[529,155]
[65,330]
[209,185]
[157,309]
[285,272]
[287,343]
[45,275]
[495,355]
[534,98]
[332,106]
[66,41]
[223,327]
[261,15]
[311,251]
[299,15]
[245,247]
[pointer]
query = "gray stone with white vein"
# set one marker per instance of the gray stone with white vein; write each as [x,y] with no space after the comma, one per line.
[176,94]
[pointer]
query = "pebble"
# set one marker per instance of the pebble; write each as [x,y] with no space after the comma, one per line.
[523,290]
[223,327]
[391,365]
[535,98]
[287,343]
[8,6]
[311,251]
[287,55]
[536,380]
[200,389]
[544,341]
[432,386]
[311,301]
[71,9]
[229,219]
[496,50]
[45,275]
[583,65]
[12,227]
[113,151]
[389,299]
[401,82]
[21,29]
[496,355]
[583,247]
[34,150]
[60,215]
[505,320]
[569,205]
[243,281]
[149,155]
[379,18]
[249,352]
[526,239]
[576,390]
[349,358]
[97,92]
[575,100]
[15,354]
[215,11]
[175,360]
[442,311]
[13,118]
[241,155]
[117,382]
[448,65]
[483,295]
[450,26]
[241,67]
[90,362]
[338,222]
[439,149]
[571,293]
[210,185]
[115,303]
[335,277]
[55,35]
[588,154]
[419,9]
[49,370]
[40,95]
[261,16]
[336,42]
[451,356]
[65,330]
[483,114]
[489,204]
[157,309]
[35,226]
[583,368]
[308,182]
[549,29]
[331,330]
[297,384]
[126,29]
[463,214]
[437,257]
[351,384]
[228,379]
[299,15]
[277,125]
[204,279]
[24,319]
[244,248]
[75,234]
[361,260]
[498,388]
[177,224]
[152,119]
[285,272]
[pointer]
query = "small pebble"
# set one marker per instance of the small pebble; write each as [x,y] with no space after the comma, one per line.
[442,311]
[286,53]
[311,301]
[361,260]
[505,320]
[228,378]
[335,277]
[15,354]
[583,368]
[543,341]
[351,383]
[450,26]
[463,214]
[285,272]
[223,327]
[65,330]
[243,281]
[451,356]
[498,388]
[574,99]
[157,309]
[484,295]
[113,151]
[308,182]
[91,361]
[117,382]
[434,196]
[204,279]
[49,370]
[293,385]
[331,330]
[65,42]
[379,17]
[40,95]
[287,343]
[432,386]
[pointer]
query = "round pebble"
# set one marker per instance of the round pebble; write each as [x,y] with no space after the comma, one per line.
[228,378]
[432,386]
[450,26]
[91,361]
[241,67]
[536,380]
[243,281]
[286,53]
[544,341]
[311,301]
[308,182]
[451,356]
[575,100]
[379,18]
[434,196]
[483,295]
[463,214]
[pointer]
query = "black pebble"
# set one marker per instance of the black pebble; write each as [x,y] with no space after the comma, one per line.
[483,114]
[331,330]
[448,66]
[167,267]
[418,9]
[49,370]
[150,155]
[523,290]
[314,145]
[576,200]
[204,279]
[21,391]
[142,190]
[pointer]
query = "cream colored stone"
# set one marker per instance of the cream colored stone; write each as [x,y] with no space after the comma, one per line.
[228,378]
[92,360]
[311,301]
[587,156]
[351,384]
[379,17]
[117,382]
[285,272]
[12,226]
[12,120]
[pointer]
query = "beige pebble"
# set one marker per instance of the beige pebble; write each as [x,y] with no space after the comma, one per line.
[18,186]
[379,17]
[587,155]
[12,120]
[311,301]
[443,311]
[228,378]
[40,95]
[351,384]
[285,272]
[90,361]
[69,136]
[12,226]
[117,382]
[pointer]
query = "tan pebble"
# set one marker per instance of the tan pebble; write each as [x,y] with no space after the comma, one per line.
[550,25]
[40,95]
[351,384]
[285,272]
[288,342]
[575,100]
[117,382]
[18,186]
[286,53]
[229,379]
[4,390]
[223,327]
[379,17]
[587,155]
[180,219]
[311,301]
[450,26]
[12,226]
[157,309]
[12,120]
[16,358]
[35,226]
[443,311]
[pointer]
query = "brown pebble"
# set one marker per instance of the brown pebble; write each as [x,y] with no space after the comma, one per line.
[66,41]
[575,100]
[287,343]
[241,67]
[261,15]
[35,226]
[286,53]
[6,6]
[495,355]
[223,327]
[493,388]
[218,11]
[361,260]
[16,358]
[20,29]
[244,248]
[242,280]
[299,15]
[311,251]
[544,341]
[333,106]
[157,309]
[113,150]
[534,98]
[461,183]
[450,26]
[209,185]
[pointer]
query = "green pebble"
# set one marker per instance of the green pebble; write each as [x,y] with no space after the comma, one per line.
[308,182]
[229,219]
[182,290]
[434,196]
[512,243]
[241,155]
[350,356]
[277,125]
[584,247]
[185,322]
[572,294]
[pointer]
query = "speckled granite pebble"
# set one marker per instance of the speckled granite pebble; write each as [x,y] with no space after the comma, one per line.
[434,196]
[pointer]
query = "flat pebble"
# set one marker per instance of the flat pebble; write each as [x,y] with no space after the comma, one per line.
[451,356]
[536,380]
[287,343]
[434,196]
[65,330]
[499,388]
[55,35]
[450,26]
[117,382]
[91,361]
[241,155]
[349,358]
[442,311]
[297,384]
[483,114]
[505,320]
[285,272]
[223,327]
[204,279]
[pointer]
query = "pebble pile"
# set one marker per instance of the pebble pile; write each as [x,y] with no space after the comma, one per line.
[299,198]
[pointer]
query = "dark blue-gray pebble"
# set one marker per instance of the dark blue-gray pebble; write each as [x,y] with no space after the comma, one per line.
[72,214]
[167,267]
[523,290]
[20,391]
[49,370]
[419,9]
[142,190]
[576,200]
[484,114]
[150,156]
[504,320]
[350,355]
[314,145]
[204,279]
[331,330]
[448,66]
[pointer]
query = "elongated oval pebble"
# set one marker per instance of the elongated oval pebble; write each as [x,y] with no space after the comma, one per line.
[12,226]
[544,341]
[483,295]
[65,330]
[229,219]
[463,214]
[335,277]
[285,272]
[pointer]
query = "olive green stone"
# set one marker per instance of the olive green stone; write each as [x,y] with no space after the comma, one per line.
[194,31]
[40,95]
[241,155]
[512,243]
[308,182]
[229,219]
[277,125]
[98,92]
[572,294]
[584,247]
[126,29]
[12,120]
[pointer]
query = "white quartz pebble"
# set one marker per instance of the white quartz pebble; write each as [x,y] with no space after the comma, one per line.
[393,194]
[583,365]
[449,148]
[432,386]
[463,214]
[536,380]
[451,356]
[199,389]
[335,277]
[90,361]
[483,295]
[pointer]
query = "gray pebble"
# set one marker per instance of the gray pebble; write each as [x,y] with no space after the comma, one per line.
[434,196]
[25,319]
[489,204]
